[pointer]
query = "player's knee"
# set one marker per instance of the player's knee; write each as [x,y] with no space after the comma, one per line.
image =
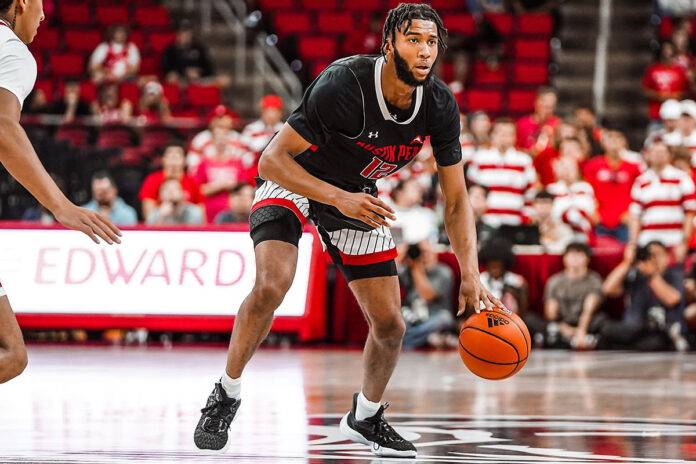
[15,362]
[389,329]
[269,293]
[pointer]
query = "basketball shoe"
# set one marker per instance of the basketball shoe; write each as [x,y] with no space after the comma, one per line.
[376,433]
[218,413]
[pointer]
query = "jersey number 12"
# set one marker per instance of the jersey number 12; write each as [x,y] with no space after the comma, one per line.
[378,169]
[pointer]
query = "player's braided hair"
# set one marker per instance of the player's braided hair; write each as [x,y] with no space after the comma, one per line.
[406,13]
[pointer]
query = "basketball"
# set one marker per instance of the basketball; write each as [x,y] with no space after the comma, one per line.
[494,344]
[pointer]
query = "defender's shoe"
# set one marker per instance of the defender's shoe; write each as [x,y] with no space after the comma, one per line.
[218,413]
[376,433]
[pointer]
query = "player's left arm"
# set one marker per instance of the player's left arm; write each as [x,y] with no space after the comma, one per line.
[461,229]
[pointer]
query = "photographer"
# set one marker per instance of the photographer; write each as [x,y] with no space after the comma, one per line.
[654,301]
[173,209]
[497,258]
[427,304]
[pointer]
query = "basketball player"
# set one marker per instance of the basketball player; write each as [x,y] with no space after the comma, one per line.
[19,20]
[362,119]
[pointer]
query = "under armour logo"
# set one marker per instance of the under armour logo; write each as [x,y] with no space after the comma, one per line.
[417,140]
[373,135]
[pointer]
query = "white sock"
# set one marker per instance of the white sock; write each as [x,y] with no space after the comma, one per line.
[365,408]
[232,387]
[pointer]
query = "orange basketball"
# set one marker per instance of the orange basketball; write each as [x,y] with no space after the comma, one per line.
[494,344]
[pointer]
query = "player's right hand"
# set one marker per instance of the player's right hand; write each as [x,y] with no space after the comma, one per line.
[365,208]
[89,222]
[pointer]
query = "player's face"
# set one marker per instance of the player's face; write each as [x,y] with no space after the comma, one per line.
[29,19]
[414,52]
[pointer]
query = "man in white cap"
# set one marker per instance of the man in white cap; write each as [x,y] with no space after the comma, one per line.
[670,112]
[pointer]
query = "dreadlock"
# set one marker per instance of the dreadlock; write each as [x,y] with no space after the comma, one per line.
[406,13]
[5,5]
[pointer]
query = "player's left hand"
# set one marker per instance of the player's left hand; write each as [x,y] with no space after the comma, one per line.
[92,224]
[472,293]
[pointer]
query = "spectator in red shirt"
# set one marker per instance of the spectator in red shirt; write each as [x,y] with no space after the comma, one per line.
[173,167]
[535,131]
[543,163]
[219,174]
[153,107]
[663,80]
[115,59]
[611,176]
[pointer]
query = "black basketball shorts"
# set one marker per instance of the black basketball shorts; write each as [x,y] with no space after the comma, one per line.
[359,251]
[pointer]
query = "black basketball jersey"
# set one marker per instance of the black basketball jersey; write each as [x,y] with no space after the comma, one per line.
[358,137]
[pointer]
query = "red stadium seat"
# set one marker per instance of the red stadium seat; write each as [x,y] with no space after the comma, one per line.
[46,86]
[460,23]
[292,23]
[666,27]
[149,65]
[114,136]
[521,101]
[533,49]
[203,95]
[112,14]
[485,75]
[161,40]
[46,39]
[129,91]
[77,136]
[536,74]
[319,4]
[318,66]
[272,5]
[502,22]
[363,5]
[172,93]
[67,64]
[484,99]
[317,47]
[137,39]
[535,24]
[457,5]
[335,21]
[40,63]
[82,40]
[152,16]
[155,138]
[88,91]
[74,13]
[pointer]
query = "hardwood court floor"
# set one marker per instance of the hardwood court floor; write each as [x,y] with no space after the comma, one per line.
[107,405]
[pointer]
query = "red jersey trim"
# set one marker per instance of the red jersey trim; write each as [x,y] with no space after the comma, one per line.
[674,225]
[371,258]
[657,203]
[501,188]
[510,167]
[281,202]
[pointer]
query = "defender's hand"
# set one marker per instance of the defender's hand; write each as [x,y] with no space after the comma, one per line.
[365,208]
[92,224]
[472,292]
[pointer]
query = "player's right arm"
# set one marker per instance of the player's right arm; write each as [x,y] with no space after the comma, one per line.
[278,165]
[20,160]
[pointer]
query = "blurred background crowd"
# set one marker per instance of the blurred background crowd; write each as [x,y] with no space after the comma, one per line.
[135,117]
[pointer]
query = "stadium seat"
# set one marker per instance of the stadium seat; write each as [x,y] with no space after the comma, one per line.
[130,156]
[129,91]
[82,40]
[154,138]
[363,5]
[535,24]
[532,49]
[149,65]
[521,101]
[666,27]
[458,5]
[292,23]
[487,76]
[502,22]
[77,136]
[317,47]
[88,91]
[335,21]
[161,40]
[114,136]
[107,15]
[272,5]
[172,93]
[151,16]
[74,14]
[137,38]
[319,4]
[536,74]
[203,95]
[460,23]
[68,64]
[483,99]
[40,63]
[318,66]
[46,39]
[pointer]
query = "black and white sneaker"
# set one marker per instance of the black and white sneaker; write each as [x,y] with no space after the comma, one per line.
[211,432]
[376,433]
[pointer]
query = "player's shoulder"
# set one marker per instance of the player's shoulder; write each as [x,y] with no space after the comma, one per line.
[439,95]
[10,44]
[349,68]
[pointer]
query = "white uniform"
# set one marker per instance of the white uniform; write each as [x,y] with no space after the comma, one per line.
[17,70]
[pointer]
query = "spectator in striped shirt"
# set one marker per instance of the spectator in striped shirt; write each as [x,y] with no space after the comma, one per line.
[257,134]
[684,132]
[574,200]
[663,203]
[507,173]
[202,145]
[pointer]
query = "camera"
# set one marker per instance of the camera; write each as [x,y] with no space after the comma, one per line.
[414,251]
[643,254]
